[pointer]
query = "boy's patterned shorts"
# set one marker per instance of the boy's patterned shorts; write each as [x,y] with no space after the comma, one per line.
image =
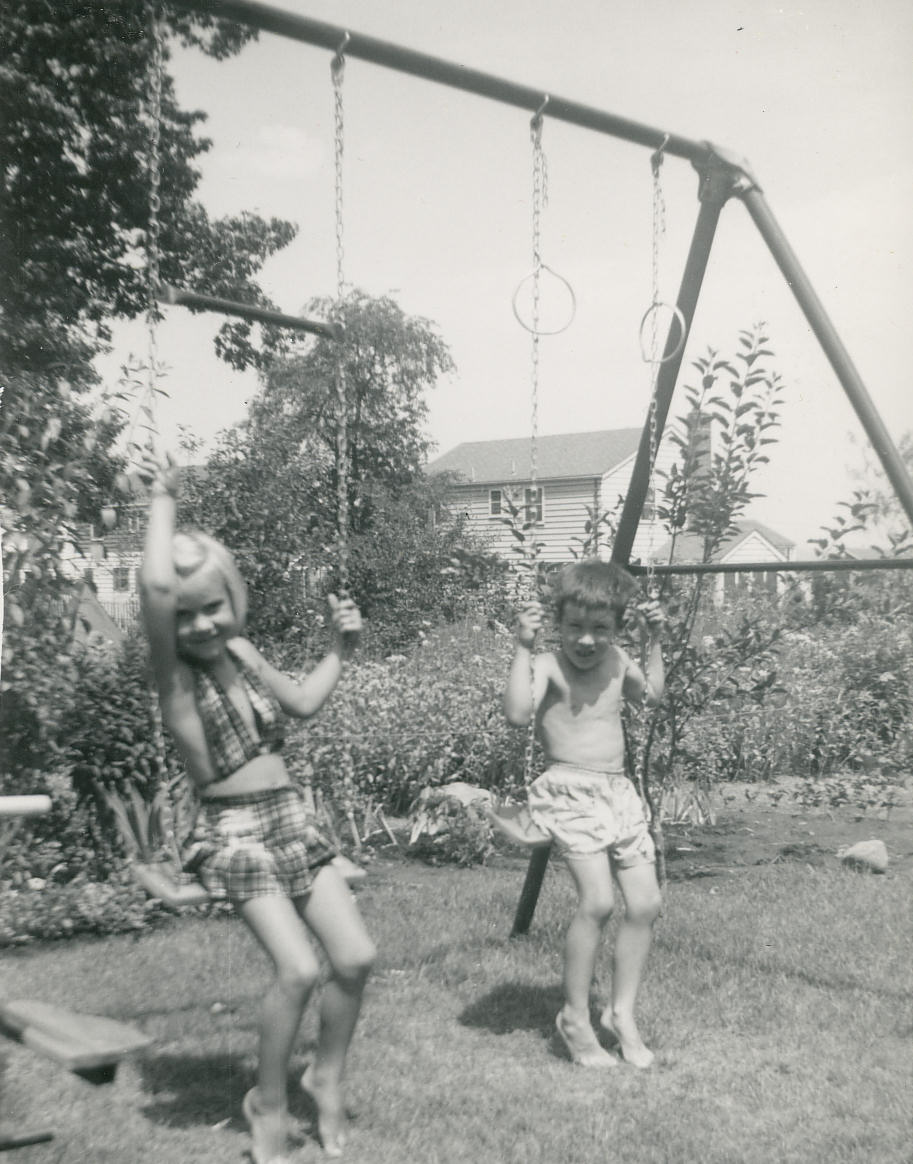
[258,845]
[587,812]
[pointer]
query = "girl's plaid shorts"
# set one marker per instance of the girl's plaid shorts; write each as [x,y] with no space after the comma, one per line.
[258,845]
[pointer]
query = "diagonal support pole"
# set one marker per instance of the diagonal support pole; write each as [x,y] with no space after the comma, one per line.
[832,346]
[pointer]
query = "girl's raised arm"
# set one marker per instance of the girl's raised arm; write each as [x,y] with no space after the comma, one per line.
[304,698]
[157,577]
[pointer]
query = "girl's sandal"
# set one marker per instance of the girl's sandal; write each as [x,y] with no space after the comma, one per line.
[264,1149]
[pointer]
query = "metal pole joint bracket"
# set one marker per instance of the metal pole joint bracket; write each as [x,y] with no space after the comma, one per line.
[723,173]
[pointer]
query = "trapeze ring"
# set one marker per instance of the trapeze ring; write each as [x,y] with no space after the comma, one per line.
[682,331]
[539,330]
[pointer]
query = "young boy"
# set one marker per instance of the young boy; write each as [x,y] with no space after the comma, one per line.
[583,802]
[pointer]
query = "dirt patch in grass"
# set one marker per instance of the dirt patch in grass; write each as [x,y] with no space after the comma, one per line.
[751,830]
[753,826]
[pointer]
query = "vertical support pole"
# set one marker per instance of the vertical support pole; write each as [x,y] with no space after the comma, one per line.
[529,895]
[718,181]
[832,345]
[716,187]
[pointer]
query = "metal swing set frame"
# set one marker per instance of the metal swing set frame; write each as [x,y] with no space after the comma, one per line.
[722,175]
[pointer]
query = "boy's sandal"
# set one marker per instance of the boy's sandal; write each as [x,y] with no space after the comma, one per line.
[586,1052]
[256,1121]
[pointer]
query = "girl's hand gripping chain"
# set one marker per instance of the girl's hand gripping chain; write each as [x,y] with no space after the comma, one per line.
[346,621]
[162,477]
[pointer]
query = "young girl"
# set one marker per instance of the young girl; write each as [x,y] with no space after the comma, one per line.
[223,704]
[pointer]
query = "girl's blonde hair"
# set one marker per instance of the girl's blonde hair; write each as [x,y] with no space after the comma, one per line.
[192,549]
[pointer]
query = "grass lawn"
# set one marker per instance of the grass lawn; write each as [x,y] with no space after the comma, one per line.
[778,999]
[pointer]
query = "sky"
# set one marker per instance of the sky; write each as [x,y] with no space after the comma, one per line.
[817,97]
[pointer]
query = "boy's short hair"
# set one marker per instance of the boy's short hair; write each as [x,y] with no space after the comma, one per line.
[191,549]
[594,584]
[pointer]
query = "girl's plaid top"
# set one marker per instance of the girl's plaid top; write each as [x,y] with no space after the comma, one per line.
[231,742]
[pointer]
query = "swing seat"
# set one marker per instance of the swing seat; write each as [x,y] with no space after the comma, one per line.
[514,822]
[159,882]
[88,1045]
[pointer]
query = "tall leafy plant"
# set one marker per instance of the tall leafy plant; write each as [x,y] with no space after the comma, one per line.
[722,438]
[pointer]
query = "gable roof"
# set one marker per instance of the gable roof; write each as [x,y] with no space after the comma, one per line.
[574,454]
[689,547]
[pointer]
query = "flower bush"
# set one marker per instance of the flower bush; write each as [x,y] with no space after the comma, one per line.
[42,911]
[418,720]
[837,716]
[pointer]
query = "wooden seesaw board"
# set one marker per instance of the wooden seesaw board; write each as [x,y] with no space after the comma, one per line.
[86,1044]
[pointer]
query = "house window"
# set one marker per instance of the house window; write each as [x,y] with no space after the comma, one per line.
[88,576]
[534,505]
[494,502]
[121,575]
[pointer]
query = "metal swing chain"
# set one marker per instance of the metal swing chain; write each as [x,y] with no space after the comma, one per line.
[153,233]
[337,69]
[152,256]
[655,360]
[539,202]
[659,231]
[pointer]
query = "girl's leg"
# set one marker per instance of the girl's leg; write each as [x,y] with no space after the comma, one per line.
[276,925]
[593,880]
[632,945]
[333,917]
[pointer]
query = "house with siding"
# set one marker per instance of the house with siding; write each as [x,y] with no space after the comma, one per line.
[108,561]
[576,474]
[752,542]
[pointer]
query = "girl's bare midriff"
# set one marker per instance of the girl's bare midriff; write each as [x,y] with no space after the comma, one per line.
[257,775]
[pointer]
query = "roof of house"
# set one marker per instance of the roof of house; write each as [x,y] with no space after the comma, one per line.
[573,454]
[92,618]
[689,547]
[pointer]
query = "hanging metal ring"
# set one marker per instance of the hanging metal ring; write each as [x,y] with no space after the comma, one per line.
[678,315]
[532,276]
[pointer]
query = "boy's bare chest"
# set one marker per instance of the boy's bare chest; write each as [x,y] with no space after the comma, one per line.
[596,697]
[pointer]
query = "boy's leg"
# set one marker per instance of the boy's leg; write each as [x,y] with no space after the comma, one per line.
[276,925]
[632,945]
[333,917]
[593,880]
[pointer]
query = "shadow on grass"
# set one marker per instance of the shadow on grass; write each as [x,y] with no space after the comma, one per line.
[190,1090]
[515,1006]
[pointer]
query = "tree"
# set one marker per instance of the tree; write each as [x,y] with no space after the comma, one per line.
[389,360]
[74,217]
[270,489]
[75,134]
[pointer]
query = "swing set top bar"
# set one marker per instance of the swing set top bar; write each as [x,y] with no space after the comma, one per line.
[813,564]
[177,297]
[379,52]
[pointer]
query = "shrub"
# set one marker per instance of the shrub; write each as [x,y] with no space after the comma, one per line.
[463,835]
[416,721]
[38,911]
